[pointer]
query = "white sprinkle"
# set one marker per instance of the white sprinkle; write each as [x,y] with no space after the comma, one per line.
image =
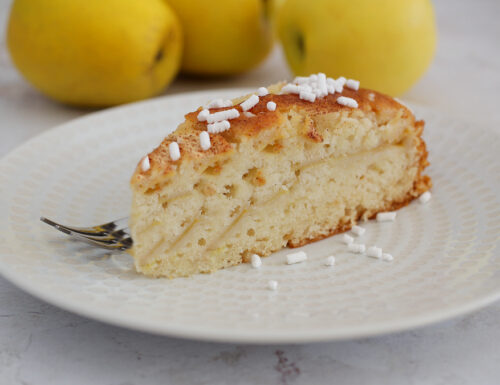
[256,261]
[248,114]
[205,141]
[290,89]
[301,79]
[330,82]
[371,96]
[262,91]
[352,84]
[374,252]
[386,217]
[320,86]
[216,103]
[358,230]
[271,106]
[223,115]
[425,197]
[219,103]
[272,285]
[309,96]
[387,257]
[249,103]
[175,153]
[218,127]
[339,84]
[330,261]
[347,239]
[305,87]
[341,80]
[145,166]
[322,90]
[356,248]
[297,257]
[203,115]
[348,102]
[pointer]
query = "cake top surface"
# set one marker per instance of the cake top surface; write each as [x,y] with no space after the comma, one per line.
[259,120]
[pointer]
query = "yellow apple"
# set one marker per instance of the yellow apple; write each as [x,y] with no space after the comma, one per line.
[95,53]
[223,37]
[272,11]
[386,44]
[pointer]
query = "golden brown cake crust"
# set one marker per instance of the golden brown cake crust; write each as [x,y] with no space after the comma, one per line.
[187,135]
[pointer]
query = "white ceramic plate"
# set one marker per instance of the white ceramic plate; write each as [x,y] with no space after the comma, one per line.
[446,253]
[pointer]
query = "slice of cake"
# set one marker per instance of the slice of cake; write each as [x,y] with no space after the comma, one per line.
[296,164]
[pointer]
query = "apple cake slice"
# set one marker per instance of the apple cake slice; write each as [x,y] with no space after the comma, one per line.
[299,163]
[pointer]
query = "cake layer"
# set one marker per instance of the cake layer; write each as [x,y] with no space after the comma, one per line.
[198,233]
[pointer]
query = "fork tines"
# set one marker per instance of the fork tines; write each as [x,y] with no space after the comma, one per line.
[111,235]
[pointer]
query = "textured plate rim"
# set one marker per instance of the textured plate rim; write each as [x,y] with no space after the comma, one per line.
[262,338]
[218,334]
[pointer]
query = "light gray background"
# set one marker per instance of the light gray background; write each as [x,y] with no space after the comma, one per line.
[40,344]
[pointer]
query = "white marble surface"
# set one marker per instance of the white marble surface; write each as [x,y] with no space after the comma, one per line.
[40,344]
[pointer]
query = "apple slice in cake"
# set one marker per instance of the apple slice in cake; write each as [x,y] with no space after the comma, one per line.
[297,166]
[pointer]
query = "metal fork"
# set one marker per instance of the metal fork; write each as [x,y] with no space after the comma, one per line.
[110,236]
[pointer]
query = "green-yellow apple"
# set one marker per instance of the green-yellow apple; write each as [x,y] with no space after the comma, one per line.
[95,53]
[223,37]
[386,44]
